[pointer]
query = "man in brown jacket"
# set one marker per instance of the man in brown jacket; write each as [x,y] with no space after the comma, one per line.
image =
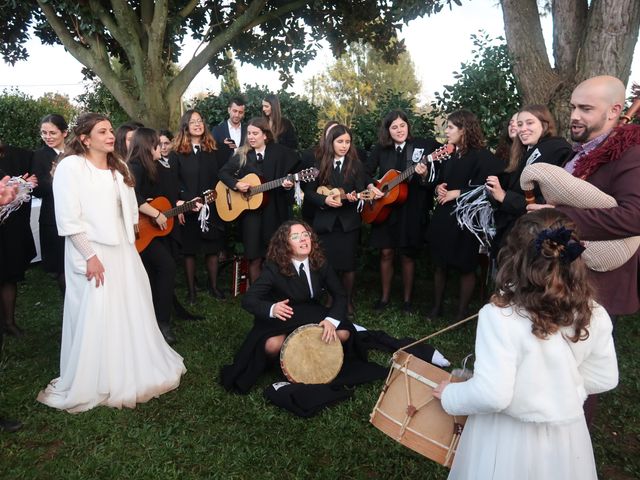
[608,157]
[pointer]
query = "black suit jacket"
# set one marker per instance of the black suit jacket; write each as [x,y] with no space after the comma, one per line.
[326,217]
[42,162]
[272,287]
[220,132]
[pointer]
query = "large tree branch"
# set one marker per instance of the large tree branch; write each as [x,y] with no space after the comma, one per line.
[569,24]
[130,28]
[179,84]
[90,58]
[526,45]
[188,8]
[156,32]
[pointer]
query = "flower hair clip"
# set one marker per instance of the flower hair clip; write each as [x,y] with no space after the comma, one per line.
[560,237]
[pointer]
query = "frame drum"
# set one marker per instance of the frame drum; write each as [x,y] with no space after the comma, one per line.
[306,358]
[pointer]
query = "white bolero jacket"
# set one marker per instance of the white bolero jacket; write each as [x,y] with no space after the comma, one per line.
[534,380]
[84,202]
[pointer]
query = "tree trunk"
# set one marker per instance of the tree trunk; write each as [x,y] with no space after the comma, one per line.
[588,40]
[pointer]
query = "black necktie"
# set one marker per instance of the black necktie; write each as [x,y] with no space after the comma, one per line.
[399,158]
[303,277]
[259,157]
[196,149]
[337,167]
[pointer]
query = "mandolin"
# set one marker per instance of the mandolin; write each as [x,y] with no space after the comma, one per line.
[147,228]
[395,190]
[340,194]
[231,203]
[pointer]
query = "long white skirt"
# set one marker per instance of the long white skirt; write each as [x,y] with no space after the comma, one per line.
[500,447]
[112,350]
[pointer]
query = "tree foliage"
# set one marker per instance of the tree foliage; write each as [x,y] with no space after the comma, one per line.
[351,85]
[300,111]
[485,85]
[20,116]
[96,98]
[146,37]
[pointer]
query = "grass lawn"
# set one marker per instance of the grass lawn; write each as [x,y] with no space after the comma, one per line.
[201,431]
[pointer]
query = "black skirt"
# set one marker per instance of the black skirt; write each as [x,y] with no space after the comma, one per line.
[340,247]
[193,242]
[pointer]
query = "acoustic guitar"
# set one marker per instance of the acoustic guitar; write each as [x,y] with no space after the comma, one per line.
[395,190]
[231,203]
[340,194]
[148,229]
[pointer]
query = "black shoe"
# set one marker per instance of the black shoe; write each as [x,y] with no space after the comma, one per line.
[407,308]
[191,298]
[380,305]
[168,335]
[434,315]
[215,293]
[13,330]
[10,426]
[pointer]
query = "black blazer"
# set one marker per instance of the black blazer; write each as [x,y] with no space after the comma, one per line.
[326,217]
[272,287]
[42,162]
[197,173]
[220,132]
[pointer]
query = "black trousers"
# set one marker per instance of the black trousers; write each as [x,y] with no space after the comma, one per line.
[160,265]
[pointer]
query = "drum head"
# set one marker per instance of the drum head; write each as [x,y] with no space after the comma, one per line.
[305,358]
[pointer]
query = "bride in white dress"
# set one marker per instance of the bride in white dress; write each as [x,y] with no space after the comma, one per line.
[112,351]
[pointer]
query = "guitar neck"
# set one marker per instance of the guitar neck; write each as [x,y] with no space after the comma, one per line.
[264,187]
[185,207]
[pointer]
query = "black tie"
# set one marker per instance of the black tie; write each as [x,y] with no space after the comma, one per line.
[303,277]
[259,157]
[337,167]
[399,158]
[196,149]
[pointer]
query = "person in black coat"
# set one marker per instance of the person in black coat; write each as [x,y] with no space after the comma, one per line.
[283,130]
[17,248]
[451,246]
[230,134]
[198,166]
[154,178]
[337,221]
[53,130]
[287,295]
[536,142]
[270,161]
[404,230]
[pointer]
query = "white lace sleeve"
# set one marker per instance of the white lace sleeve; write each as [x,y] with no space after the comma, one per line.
[82,244]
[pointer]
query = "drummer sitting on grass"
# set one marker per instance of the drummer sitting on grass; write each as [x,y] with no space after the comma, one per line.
[287,295]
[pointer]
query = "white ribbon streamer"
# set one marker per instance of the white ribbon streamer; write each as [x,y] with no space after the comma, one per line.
[474,212]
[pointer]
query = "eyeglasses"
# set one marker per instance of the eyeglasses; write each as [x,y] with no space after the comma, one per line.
[299,235]
[195,122]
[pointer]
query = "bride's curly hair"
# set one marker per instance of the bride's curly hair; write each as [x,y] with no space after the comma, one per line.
[535,278]
[279,251]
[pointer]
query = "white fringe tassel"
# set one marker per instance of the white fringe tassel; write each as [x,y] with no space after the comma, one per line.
[474,212]
[23,195]
[298,192]
[203,216]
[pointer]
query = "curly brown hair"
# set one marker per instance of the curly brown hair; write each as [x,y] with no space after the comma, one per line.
[472,136]
[182,142]
[280,253]
[74,146]
[550,292]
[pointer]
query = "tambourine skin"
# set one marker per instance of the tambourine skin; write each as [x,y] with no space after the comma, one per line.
[306,358]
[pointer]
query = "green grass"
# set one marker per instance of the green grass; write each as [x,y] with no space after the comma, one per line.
[201,431]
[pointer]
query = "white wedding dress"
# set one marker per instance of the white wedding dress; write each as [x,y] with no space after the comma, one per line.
[112,350]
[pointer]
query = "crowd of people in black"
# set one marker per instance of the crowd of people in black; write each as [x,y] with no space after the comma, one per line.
[95,184]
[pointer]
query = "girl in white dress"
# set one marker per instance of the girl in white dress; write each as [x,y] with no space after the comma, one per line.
[543,344]
[112,351]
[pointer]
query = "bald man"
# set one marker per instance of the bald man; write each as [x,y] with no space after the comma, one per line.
[608,157]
